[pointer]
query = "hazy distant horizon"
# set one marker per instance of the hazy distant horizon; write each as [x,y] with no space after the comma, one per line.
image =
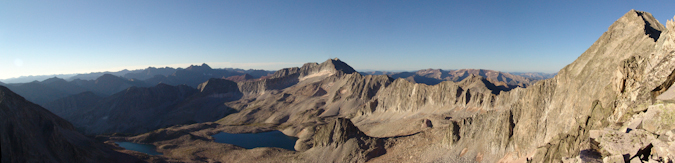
[56,37]
[212,66]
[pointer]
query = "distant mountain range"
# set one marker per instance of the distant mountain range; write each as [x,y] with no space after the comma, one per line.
[140,74]
[106,84]
[435,76]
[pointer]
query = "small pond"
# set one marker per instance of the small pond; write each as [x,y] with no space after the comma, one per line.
[145,148]
[253,140]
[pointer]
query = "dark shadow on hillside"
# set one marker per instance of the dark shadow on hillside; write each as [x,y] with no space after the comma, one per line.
[649,30]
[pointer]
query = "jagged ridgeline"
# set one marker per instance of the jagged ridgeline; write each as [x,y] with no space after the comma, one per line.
[471,120]
[340,115]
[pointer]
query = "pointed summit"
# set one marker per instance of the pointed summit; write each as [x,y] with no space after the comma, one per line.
[338,65]
[640,20]
[53,80]
[206,66]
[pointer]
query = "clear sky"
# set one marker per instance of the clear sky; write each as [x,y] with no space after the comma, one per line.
[55,37]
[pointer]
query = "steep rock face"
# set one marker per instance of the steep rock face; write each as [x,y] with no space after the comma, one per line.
[472,92]
[340,141]
[616,73]
[550,119]
[33,134]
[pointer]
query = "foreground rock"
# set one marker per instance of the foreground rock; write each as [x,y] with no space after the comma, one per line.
[647,137]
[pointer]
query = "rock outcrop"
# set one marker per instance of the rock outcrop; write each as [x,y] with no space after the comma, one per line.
[340,141]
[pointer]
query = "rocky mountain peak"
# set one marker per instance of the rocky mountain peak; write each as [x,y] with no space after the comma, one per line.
[203,67]
[640,19]
[338,65]
[53,80]
[312,69]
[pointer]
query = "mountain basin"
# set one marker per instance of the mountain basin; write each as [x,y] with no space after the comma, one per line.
[145,148]
[254,140]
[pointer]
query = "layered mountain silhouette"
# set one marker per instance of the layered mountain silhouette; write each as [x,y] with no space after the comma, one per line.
[106,84]
[195,75]
[139,109]
[429,115]
[32,134]
[151,72]
[55,88]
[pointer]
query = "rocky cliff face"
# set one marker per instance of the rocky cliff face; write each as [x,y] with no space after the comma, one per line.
[340,141]
[471,120]
[33,134]
[614,76]
[626,68]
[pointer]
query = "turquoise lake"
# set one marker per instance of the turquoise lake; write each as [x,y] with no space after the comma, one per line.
[254,140]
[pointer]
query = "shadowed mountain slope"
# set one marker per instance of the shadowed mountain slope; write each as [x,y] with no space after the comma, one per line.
[137,110]
[33,134]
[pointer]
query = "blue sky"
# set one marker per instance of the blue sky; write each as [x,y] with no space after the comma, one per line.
[55,37]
